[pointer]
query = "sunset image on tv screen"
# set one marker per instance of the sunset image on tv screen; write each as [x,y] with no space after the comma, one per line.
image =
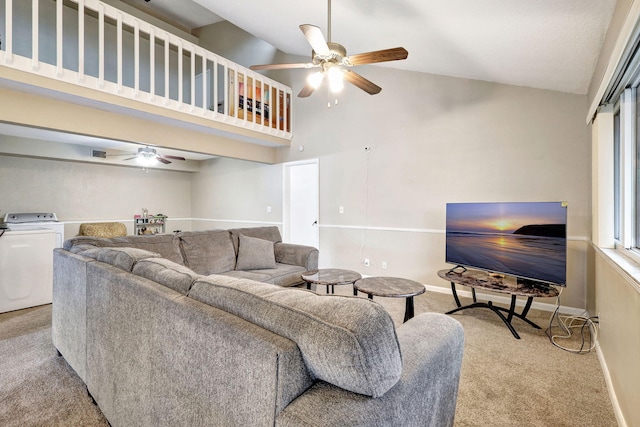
[523,239]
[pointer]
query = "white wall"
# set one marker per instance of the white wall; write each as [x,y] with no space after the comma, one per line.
[229,193]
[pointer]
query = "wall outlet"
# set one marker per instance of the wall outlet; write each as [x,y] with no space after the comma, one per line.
[384,265]
[268,209]
[366,262]
[341,209]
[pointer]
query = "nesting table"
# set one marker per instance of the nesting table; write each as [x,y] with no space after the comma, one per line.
[331,277]
[394,287]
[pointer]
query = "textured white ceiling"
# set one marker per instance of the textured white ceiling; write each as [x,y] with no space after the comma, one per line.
[548,44]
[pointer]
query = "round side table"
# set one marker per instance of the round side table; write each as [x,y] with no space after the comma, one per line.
[330,277]
[394,287]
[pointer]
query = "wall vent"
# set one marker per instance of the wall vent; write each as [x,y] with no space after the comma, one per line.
[98,153]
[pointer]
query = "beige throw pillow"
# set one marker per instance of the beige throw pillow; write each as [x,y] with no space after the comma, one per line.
[255,254]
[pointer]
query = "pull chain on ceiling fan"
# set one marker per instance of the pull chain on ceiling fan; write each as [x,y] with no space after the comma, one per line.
[333,61]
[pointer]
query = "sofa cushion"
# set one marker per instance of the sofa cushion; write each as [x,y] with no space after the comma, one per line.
[255,254]
[123,258]
[72,243]
[252,275]
[346,341]
[163,244]
[167,273]
[283,275]
[266,233]
[208,252]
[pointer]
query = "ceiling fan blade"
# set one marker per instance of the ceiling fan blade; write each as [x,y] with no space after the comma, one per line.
[306,91]
[364,84]
[282,66]
[174,157]
[393,54]
[163,160]
[315,38]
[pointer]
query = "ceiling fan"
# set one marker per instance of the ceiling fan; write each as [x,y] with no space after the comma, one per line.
[148,156]
[333,61]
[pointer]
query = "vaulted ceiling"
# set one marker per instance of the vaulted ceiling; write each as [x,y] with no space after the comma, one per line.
[547,44]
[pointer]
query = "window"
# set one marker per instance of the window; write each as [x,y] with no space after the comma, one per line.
[626,174]
[617,189]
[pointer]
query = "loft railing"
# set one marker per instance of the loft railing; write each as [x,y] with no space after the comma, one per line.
[94,45]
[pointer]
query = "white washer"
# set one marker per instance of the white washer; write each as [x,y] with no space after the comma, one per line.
[26,268]
[32,221]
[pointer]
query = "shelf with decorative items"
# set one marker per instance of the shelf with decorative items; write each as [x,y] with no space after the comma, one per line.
[146,224]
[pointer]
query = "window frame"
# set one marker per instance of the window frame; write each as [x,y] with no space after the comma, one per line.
[627,137]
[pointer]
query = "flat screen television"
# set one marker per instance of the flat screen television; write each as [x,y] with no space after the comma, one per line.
[527,240]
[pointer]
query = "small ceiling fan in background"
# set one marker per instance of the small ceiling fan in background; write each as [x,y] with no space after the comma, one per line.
[333,61]
[148,156]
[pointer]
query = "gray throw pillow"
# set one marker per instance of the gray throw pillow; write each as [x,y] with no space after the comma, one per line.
[255,254]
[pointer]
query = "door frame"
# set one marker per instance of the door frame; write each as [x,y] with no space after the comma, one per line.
[286,197]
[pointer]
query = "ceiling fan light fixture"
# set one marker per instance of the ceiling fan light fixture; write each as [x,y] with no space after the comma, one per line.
[336,79]
[147,157]
[146,161]
[315,79]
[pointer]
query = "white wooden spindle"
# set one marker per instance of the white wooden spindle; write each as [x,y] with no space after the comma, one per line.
[215,100]
[193,78]
[59,64]
[205,107]
[34,34]
[101,45]
[119,51]
[81,40]
[244,95]
[166,68]
[226,101]
[180,77]
[136,57]
[8,39]
[152,63]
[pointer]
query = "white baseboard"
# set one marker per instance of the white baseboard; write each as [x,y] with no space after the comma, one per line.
[612,393]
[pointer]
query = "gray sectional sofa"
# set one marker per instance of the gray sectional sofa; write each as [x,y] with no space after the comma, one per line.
[162,332]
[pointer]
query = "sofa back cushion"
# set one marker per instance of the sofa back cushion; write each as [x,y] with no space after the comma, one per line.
[123,258]
[164,244]
[167,273]
[346,341]
[207,252]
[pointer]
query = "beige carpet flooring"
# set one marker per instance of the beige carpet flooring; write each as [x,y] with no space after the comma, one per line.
[504,381]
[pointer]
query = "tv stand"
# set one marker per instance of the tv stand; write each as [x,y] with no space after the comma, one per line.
[476,279]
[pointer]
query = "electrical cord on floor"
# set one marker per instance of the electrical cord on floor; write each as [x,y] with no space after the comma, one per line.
[587,325]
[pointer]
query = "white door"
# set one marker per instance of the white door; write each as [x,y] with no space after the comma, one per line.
[301,200]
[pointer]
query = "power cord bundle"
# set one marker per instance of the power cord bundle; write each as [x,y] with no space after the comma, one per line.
[588,329]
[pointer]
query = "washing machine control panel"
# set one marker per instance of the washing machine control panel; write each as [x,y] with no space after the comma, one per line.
[30,217]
